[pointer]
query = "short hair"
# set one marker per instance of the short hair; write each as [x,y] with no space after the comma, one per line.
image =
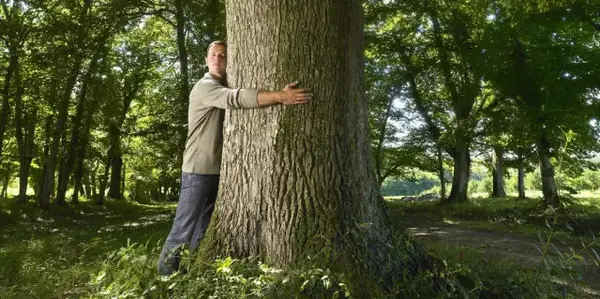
[217,42]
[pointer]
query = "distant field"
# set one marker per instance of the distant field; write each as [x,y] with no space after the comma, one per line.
[529,194]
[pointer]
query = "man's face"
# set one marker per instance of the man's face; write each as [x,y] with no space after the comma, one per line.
[217,60]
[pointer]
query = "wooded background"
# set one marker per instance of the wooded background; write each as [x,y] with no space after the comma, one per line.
[485,96]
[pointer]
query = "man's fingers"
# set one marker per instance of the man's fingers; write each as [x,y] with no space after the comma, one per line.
[302,90]
[293,84]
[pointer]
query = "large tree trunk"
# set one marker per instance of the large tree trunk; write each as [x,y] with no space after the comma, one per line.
[498,173]
[299,180]
[521,176]
[547,171]
[462,171]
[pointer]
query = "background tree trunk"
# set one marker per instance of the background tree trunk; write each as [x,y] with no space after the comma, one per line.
[80,154]
[6,181]
[76,133]
[440,160]
[547,171]
[63,107]
[93,185]
[62,167]
[114,190]
[104,181]
[123,179]
[303,182]
[530,93]
[379,155]
[498,173]
[184,88]
[462,170]
[42,178]
[25,139]
[521,176]
[10,70]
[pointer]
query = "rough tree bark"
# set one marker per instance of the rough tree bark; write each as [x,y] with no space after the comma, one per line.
[498,173]
[299,180]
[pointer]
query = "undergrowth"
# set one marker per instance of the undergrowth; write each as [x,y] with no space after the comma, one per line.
[130,273]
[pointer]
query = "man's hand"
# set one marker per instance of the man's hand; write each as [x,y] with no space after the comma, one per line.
[294,95]
[290,95]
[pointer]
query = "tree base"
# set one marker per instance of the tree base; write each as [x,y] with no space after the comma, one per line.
[369,271]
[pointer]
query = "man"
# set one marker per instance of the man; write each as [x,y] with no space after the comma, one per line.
[202,155]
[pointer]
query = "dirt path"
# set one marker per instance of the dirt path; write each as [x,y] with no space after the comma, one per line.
[522,249]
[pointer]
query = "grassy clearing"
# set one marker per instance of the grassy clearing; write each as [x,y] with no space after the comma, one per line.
[512,215]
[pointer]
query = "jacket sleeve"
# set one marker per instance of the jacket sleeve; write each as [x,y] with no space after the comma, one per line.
[211,93]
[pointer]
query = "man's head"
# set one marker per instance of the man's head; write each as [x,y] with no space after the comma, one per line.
[216,58]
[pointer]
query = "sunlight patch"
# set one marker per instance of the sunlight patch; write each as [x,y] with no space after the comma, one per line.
[448,221]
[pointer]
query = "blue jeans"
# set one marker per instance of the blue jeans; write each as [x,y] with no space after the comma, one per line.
[194,210]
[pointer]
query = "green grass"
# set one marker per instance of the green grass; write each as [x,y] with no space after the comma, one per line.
[514,215]
[52,254]
[109,251]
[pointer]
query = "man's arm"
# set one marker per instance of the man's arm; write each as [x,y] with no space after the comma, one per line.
[212,93]
[290,95]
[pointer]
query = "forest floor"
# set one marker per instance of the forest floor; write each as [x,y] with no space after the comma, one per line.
[56,253]
[513,230]
[53,254]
